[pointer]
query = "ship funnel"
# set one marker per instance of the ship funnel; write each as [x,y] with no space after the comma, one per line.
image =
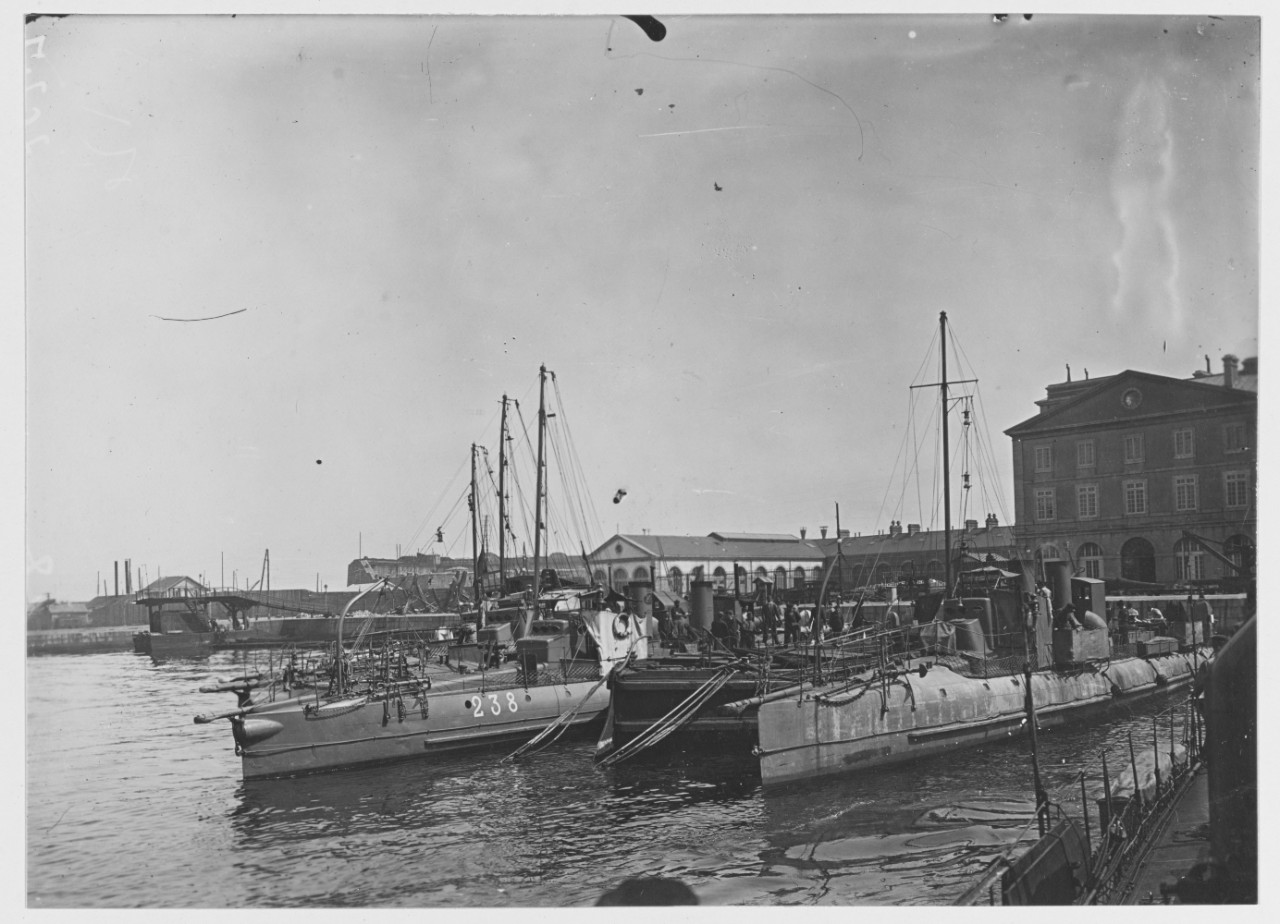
[703,605]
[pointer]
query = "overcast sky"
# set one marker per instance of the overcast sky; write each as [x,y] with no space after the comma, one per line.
[731,246]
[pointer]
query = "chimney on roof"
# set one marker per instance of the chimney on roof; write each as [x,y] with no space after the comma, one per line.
[802,532]
[895,528]
[1230,364]
[1249,366]
[970,525]
[913,528]
[843,534]
[992,521]
[823,530]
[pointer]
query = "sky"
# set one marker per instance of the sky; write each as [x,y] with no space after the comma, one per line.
[731,246]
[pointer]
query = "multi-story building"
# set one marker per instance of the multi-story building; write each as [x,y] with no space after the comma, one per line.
[1113,472]
[913,554]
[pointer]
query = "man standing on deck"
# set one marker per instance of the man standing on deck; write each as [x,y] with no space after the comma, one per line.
[791,625]
[770,627]
[1202,615]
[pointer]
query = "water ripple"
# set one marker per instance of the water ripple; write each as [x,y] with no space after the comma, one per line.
[131,805]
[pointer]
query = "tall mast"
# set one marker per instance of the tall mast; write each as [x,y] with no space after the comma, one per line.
[537,502]
[502,499]
[475,544]
[946,465]
[839,558]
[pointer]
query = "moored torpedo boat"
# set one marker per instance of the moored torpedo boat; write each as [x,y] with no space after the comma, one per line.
[386,707]
[386,701]
[971,691]
[996,632]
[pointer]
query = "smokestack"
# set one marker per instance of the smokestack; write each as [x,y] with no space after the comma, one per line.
[802,532]
[128,576]
[117,593]
[1229,366]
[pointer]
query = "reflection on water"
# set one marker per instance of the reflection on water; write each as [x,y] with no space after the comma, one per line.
[130,804]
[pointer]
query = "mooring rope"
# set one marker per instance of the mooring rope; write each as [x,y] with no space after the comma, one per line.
[677,717]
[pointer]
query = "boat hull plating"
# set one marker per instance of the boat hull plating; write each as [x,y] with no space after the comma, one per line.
[646,691]
[304,735]
[823,733]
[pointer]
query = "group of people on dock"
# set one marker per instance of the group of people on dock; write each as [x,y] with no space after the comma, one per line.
[1124,618]
[759,625]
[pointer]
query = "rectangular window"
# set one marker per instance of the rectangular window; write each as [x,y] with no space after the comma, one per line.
[1086,501]
[1135,497]
[1186,494]
[1085,455]
[1190,564]
[1044,458]
[1233,437]
[1046,508]
[1184,444]
[1133,447]
[1237,489]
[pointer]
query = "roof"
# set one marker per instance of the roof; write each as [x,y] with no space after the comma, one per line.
[714,547]
[162,584]
[1243,382]
[1053,411]
[984,537]
[754,537]
[68,609]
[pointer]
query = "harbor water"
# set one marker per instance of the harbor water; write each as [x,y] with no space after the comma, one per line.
[130,804]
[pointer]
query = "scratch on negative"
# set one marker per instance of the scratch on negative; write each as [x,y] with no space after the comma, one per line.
[697,131]
[214,318]
[59,821]
[431,98]
[862,139]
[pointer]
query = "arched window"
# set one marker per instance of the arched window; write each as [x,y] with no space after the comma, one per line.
[816,575]
[799,577]
[619,578]
[762,573]
[1049,550]
[675,580]
[599,577]
[1189,559]
[718,577]
[1138,560]
[1235,548]
[884,574]
[779,578]
[1089,558]
[640,574]
[855,575]
[933,570]
[698,572]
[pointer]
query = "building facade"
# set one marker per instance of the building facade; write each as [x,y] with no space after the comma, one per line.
[1113,474]
[913,554]
[673,562]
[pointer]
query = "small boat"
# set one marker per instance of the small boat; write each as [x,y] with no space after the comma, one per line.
[960,681]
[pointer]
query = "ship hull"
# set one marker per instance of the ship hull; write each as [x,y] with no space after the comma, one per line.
[645,692]
[309,735]
[823,734]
